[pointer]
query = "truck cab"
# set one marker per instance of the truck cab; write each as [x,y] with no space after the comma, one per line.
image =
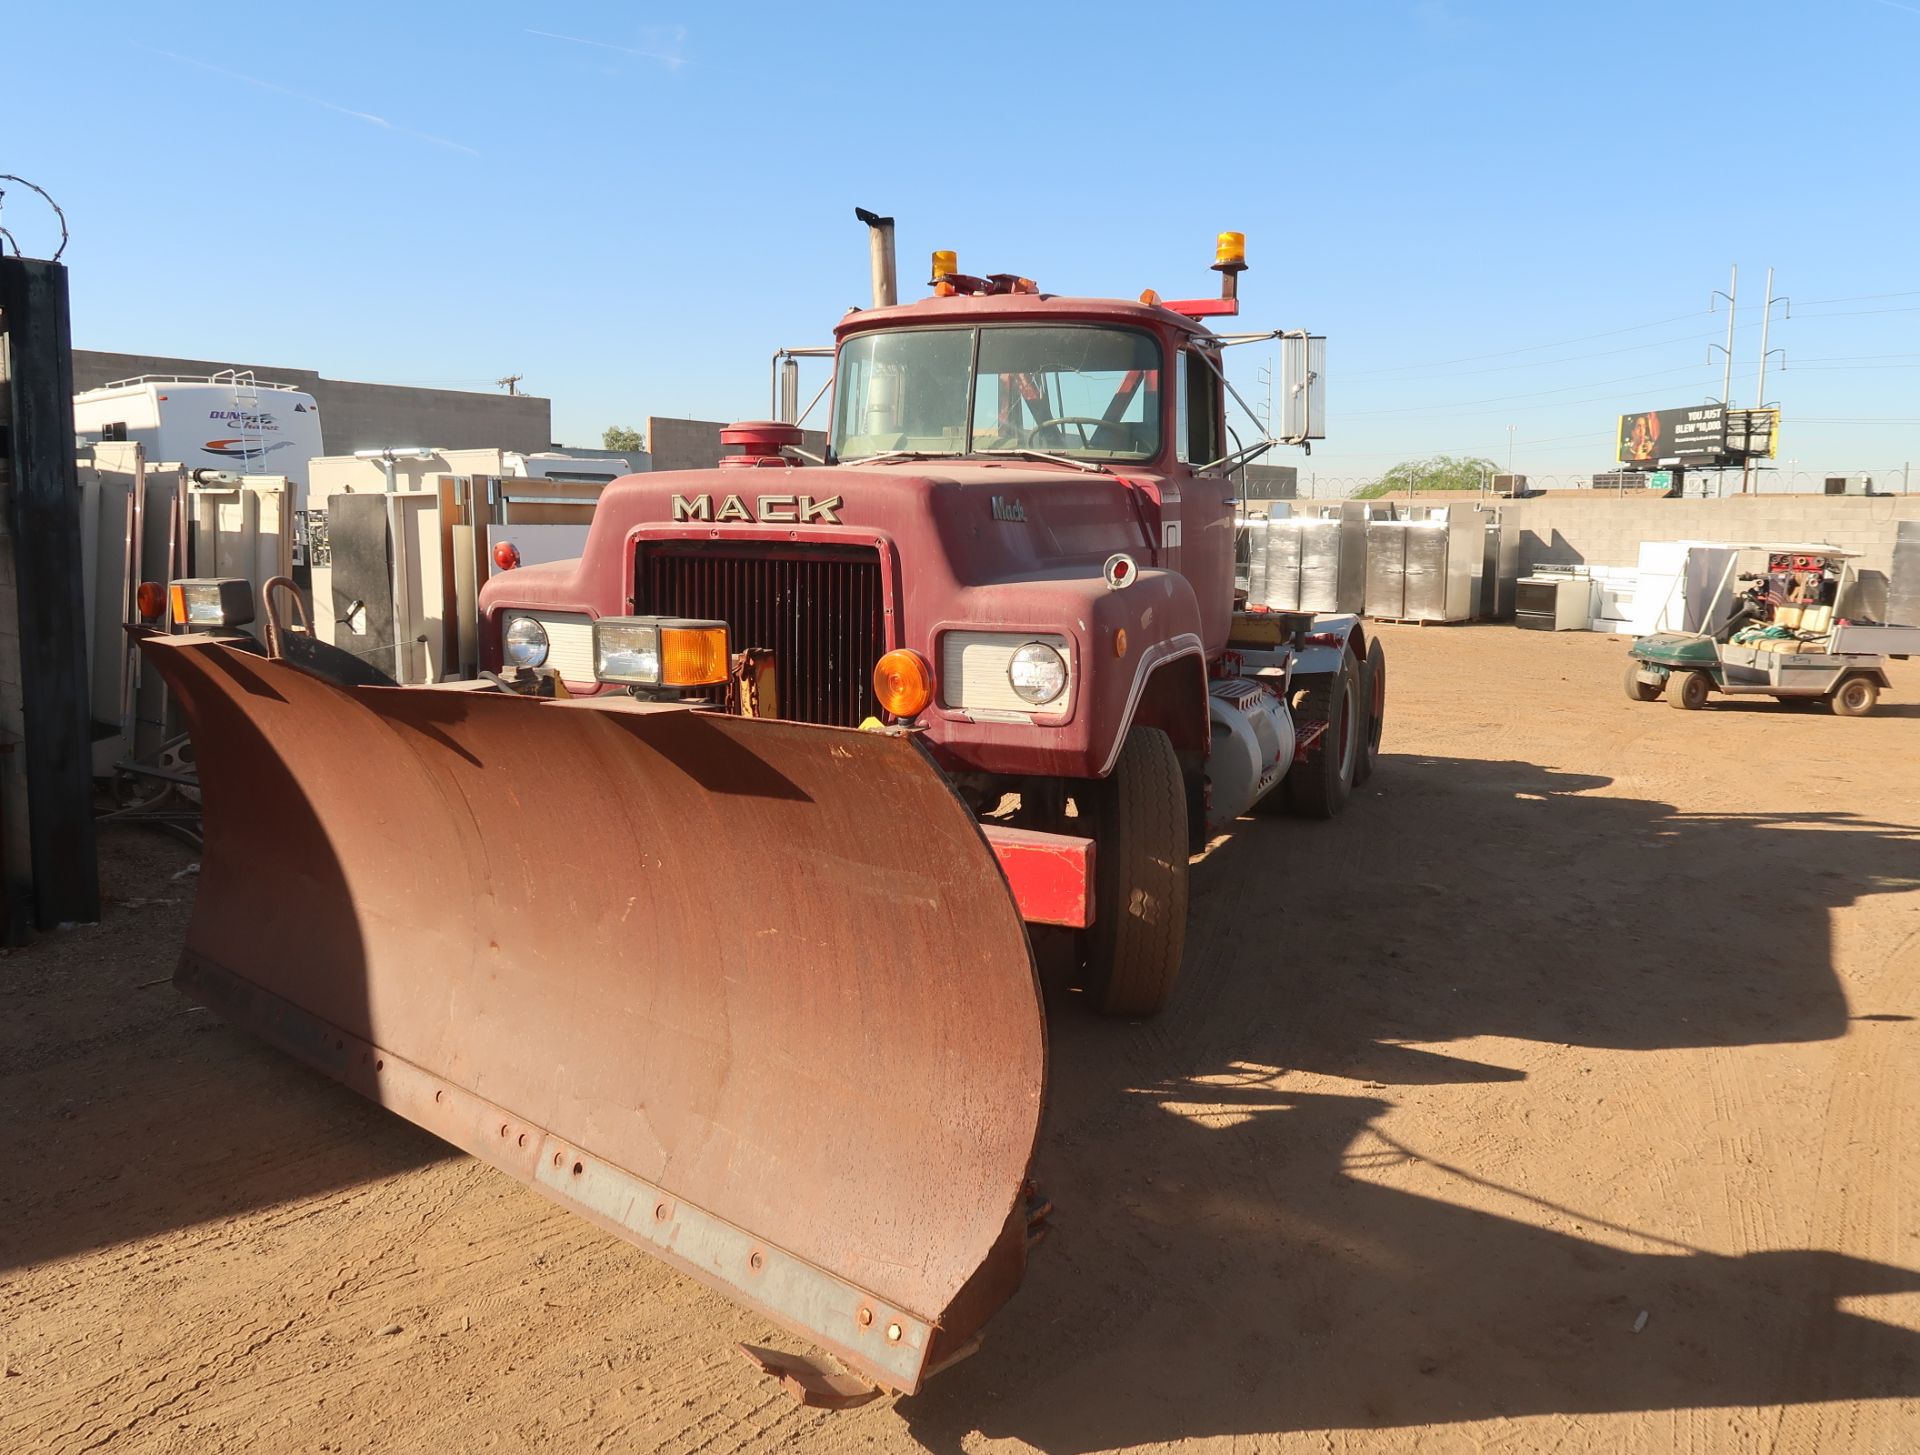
[1020,549]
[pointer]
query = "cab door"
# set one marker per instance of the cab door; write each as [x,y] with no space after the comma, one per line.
[1201,546]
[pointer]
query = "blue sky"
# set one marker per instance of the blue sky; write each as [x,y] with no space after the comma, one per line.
[1499,213]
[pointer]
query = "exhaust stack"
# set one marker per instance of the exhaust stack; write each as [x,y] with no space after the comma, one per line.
[886,274]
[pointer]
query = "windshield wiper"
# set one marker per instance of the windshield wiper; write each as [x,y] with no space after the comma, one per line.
[1086,465]
[885,456]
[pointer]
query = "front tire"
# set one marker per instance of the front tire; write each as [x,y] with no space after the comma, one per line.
[1688,691]
[1855,697]
[1139,931]
[1638,691]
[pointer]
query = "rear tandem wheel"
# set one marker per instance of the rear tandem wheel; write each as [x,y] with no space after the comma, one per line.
[1318,787]
[1373,693]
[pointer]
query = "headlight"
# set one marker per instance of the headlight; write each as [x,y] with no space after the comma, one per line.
[626,651]
[660,651]
[212,601]
[1037,673]
[524,642]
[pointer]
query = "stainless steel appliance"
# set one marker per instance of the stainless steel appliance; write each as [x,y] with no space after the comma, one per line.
[1554,599]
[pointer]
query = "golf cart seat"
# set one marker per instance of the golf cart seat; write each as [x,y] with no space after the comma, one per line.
[1815,619]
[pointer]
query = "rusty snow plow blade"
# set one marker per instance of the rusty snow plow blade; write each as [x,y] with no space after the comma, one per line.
[753,995]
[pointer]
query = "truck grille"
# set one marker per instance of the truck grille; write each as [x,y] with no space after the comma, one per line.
[819,609]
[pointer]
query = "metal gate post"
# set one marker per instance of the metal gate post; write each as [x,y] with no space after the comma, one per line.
[42,608]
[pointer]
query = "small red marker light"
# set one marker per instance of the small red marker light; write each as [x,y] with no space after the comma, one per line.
[151,600]
[506,555]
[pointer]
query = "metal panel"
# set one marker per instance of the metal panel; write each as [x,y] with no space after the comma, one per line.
[1250,557]
[358,614]
[1466,542]
[1353,516]
[1321,545]
[242,530]
[1386,592]
[1903,580]
[973,672]
[1281,547]
[1426,588]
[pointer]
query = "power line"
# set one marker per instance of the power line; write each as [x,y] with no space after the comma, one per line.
[1861,312]
[1863,297]
[1534,394]
[1535,348]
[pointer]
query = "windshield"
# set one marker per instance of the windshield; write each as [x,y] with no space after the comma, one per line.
[1083,392]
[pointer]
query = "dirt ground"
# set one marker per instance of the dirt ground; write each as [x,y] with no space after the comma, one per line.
[1559,1097]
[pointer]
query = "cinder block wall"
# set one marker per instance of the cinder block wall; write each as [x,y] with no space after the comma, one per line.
[1607,530]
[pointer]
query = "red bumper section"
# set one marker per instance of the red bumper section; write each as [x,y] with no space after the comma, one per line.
[1051,874]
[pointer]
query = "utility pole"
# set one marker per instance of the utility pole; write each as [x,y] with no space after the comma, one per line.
[1510,430]
[1766,317]
[1732,293]
[511,384]
[1760,382]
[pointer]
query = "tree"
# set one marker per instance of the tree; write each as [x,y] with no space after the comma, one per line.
[619,437]
[1439,472]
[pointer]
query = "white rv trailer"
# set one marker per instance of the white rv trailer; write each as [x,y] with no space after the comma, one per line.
[230,422]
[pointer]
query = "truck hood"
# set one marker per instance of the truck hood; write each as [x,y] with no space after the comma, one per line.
[976,523]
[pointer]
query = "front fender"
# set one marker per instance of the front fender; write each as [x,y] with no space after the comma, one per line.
[1331,639]
[1120,639]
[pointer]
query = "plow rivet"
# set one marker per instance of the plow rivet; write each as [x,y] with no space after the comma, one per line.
[756,1260]
[893,1333]
[578,1168]
[660,1212]
[866,1317]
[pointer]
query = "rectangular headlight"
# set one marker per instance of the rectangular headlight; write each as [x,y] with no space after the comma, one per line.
[660,651]
[212,601]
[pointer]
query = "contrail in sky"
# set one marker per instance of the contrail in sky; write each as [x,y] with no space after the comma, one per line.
[366,116]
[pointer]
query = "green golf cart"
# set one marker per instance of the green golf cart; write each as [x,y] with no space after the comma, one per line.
[1781,639]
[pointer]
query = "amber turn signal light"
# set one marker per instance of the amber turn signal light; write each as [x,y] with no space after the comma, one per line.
[903,682]
[693,656]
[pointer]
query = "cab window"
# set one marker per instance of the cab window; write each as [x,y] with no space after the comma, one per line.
[1199,411]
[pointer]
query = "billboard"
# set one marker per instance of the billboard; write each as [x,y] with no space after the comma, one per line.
[1754,432]
[1699,433]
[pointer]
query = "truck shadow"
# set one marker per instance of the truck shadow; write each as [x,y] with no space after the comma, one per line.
[1232,1255]
[127,1112]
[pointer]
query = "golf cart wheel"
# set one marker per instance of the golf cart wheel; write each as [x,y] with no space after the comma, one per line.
[1139,931]
[1855,697]
[1638,691]
[1688,691]
[1373,696]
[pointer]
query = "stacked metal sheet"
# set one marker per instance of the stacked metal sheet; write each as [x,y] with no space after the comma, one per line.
[1426,569]
[1307,562]
[1386,589]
